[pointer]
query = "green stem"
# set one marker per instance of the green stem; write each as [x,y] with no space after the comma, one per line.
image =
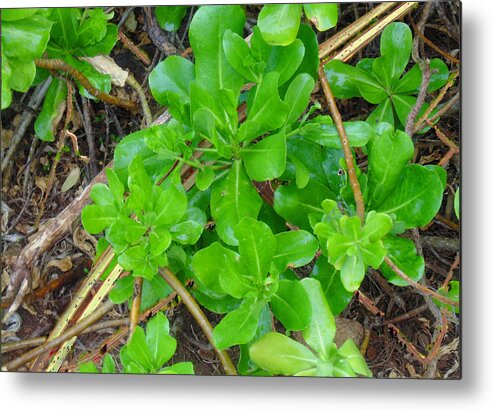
[199,316]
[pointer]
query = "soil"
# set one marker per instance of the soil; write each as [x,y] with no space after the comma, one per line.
[24,185]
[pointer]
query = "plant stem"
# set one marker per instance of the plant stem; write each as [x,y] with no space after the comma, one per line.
[420,287]
[60,65]
[135,309]
[70,333]
[348,155]
[199,316]
[142,98]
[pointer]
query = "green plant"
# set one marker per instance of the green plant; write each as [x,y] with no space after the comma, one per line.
[381,81]
[145,353]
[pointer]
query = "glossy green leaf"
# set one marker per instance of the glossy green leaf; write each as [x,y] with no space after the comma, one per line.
[138,351]
[51,113]
[172,78]
[98,80]
[323,16]
[257,246]
[109,366]
[189,230]
[358,132]
[411,81]
[233,198]
[96,219]
[88,368]
[65,30]
[351,353]
[416,198]
[116,186]
[159,239]
[403,254]
[352,271]
[123,290]
[395,49]
[383,113]
[161,345]
[170,17]
[17,14]
[279,23]
[298,96]
[310,61]
[101,47]
[294,249]
[390,152]
[279,354]
[268,111]
[153,291]
[204,178]
[239,56]
[330,280]
[291,305]
[6,76]
[238,326]
[295,205]
[206,33]
[170,205]
[452,292]
[266,159]
[23,74]
[457,203]
[322,328]
[180,368]
[93,28]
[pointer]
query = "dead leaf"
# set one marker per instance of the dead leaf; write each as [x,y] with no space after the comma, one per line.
[131,24]
[107,65]
[347,328]
[85,241]
[63,264]
[5,209]
[41,182]
[71,179]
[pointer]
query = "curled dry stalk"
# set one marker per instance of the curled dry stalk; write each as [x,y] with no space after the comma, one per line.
[199,316]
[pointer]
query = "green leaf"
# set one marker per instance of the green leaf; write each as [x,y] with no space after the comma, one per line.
[347,81]
[102,195]
[417,197]
[310,61]
[65,30]
[383,113]
[268,111]
[108,365]
[116,186]
[189,230]
[232,199]
[390,152]
[295,205]
[123,290]
[105,46]
[323,16]
[266,159]
[294,249]
[279,354]
[395,49]
[159,239]
[206,33]
[291,305]
[153,291]
[330,279]
[170,84]
[358,132]
[453,293]
[402,253]
[298,96]
[170,17]
[98,80]
[17,14]
[322,327]
[180,368]
[351,353]
[52,111]
[377,225]
[279,23]
[24,73]
[6,76]
[93,28]
[238,326]
[96,219]
[139,183]
[88,368]
[457,203]
[161,345]
[257,246]
[352,272]
[138,351]
[204,178]
[170,204]
[411,81]
[403,105]
[239,56]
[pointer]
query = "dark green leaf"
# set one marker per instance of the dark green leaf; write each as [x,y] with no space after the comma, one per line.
[279,354]
[170,17]
[323,16]
[383,113]
[453,293]
[403,253]
[238,326]
[298,96]
[101,47]
[358,132]
[291,305]
[279,23]
[65,30]
[53,108]
[122,290]
[93,29]
[232,199]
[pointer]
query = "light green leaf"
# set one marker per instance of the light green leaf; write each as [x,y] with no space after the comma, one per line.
[457,203]
[180,368]
[239,55]
[232,199]
[24,74]
[453,293]
[266,159]
[291,305]
[170,17]
[279,354]
[159,239]
[204,178]
[93,28]
[51,113]
[322,327]
[279,23]
[170,204]
[297,96]
[358,132]
[122,290]
[108,365]
[294,249]
[238,326]
[161,345]
[323,16]
[257,246]
[96,219]
[402,253]
[138,351]
[352,271]
[105,46]
[189,230]
[351,353]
